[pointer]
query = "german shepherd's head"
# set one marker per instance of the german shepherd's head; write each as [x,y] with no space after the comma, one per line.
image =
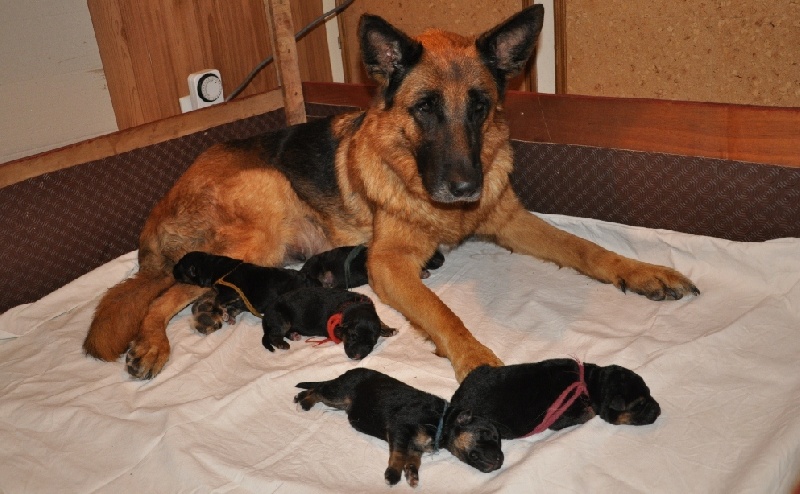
[444,92]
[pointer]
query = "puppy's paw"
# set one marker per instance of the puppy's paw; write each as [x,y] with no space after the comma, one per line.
[392,475]
[386,331]
[412,475]
[306,399]
[146,357]
[208,317]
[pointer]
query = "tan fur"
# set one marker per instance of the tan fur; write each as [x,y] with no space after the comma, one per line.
[226,203]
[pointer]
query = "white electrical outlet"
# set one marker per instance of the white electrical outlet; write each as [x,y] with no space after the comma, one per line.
[205,88]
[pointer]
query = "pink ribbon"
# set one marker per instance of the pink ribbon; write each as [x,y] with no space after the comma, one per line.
[562,403]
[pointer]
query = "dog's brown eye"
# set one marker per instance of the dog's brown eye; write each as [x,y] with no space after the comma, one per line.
[425,106]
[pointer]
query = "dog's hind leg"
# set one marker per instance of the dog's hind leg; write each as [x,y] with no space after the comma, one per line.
[402,458]
[520,231]
[150,350]
[411,469]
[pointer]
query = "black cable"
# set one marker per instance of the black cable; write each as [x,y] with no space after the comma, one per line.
[324,17]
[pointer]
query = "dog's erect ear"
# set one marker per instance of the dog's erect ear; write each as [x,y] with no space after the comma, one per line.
[506,48]
[388,54]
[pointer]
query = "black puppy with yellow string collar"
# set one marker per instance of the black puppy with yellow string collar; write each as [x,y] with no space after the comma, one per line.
[238,287]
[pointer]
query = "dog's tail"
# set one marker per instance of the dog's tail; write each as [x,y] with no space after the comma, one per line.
[120,313]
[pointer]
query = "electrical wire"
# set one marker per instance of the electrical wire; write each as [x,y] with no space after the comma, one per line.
[324,17]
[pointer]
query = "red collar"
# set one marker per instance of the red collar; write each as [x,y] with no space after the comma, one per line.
[333,322]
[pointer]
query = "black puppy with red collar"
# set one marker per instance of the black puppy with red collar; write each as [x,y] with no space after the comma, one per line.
[335,314]
[526,399]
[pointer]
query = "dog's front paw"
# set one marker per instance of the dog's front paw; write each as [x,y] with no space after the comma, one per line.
[654,282]
[145,358]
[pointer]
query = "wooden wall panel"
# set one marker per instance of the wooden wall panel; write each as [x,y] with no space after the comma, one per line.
[712,50]
[758,134]
[149,47]
[415,17]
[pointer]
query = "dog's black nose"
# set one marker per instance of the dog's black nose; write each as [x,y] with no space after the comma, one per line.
[464,189]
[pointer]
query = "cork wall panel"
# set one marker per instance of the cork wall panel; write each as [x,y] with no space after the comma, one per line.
[743,51]
[415,16]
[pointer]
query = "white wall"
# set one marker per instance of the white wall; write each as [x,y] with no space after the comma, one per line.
[546,52]
[51,77]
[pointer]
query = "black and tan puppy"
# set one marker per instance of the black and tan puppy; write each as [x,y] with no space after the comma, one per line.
[346,267]
[339,315]
[517,397]
[412,421]
[238,286]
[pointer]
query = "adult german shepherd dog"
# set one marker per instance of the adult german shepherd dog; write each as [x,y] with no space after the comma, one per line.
[426,165]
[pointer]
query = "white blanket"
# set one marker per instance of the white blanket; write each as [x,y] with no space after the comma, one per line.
[220,417]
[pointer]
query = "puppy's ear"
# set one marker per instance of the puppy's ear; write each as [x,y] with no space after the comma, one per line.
[617,403]
[507,47]
[464,417]
[388,54]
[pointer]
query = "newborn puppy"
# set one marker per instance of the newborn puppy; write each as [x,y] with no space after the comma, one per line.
[238,286]
[340,315]
[410,420]
[517,397]
[346,267]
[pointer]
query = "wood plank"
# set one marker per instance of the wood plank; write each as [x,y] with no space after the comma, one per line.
[737,132]
[748,133]
[280,18]
[136,137]
[338,94]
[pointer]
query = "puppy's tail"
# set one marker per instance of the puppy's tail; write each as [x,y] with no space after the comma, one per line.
[308,385]
[120,313]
